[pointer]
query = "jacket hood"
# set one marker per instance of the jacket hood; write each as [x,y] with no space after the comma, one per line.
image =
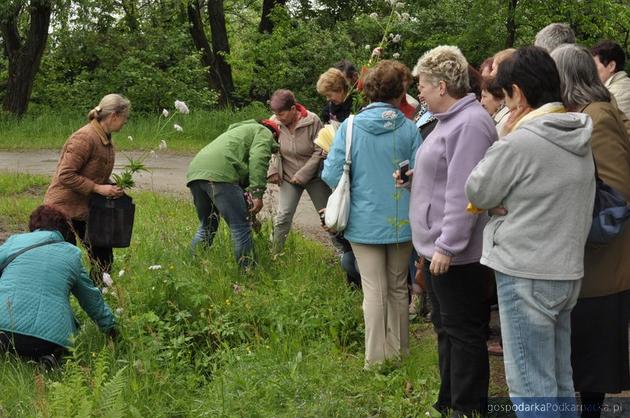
[379,118]
[569,131]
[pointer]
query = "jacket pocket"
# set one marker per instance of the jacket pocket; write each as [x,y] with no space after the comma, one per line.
[495,230]
[423,215]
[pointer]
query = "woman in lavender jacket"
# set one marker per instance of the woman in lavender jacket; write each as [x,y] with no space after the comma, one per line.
[448,236]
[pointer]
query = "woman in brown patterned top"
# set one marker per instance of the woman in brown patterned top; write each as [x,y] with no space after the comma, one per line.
[84,167]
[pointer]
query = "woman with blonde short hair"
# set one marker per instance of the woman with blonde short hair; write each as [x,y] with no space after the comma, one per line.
[446,235]
[336,85]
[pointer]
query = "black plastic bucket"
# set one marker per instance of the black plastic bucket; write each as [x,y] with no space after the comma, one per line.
[110,222]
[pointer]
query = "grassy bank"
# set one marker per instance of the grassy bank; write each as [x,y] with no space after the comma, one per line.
[51,129]
[198,339]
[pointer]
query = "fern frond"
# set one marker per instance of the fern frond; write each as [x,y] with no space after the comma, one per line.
[112,405]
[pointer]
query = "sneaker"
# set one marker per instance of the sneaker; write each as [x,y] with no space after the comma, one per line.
[49,362]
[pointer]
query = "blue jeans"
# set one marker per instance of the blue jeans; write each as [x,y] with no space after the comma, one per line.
[536,331]
[215,200]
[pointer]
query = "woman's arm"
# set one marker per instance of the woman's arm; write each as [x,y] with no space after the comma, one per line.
[91,299]
[333,165]
[77,152]
[464,149]
[309,170]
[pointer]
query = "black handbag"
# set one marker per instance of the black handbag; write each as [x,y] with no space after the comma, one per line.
[110,221]
[610,213]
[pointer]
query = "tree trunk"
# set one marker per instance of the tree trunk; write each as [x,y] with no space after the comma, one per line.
[220,48]
[24,56]
[213,57]
[201,42]
[510,24]
[266,25]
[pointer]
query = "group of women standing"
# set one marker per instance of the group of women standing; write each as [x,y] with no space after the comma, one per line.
[521,206]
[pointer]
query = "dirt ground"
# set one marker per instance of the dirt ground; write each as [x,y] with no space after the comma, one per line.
[167,175]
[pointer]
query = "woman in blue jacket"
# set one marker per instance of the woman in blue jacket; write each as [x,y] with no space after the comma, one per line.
[378,226]
[36,319]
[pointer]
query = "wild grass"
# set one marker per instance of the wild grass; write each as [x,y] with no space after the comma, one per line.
[200,339]
[50,130]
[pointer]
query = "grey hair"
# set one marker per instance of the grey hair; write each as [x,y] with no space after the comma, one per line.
[579,81]
[448,64]
[552,36]
[111,103]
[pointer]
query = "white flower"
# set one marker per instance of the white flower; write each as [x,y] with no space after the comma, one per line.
[374,16]
[391,35]
[178,128]
[396,55]
[391,2]
[155,267]
[396,38]
[105,290]
[165,113]
[119,311]
[405,16]
[398,16]
[368,47]
[121,273]
[389,114]
[152,154]
[162,145]
[130,138]
[427,413]
[107,279]
[377,51]
[400,5]
[181,107]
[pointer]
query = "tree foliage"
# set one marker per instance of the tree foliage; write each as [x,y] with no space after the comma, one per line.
[150,50]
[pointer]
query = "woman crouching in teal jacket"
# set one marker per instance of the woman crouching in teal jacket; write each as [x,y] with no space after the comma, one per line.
[41,268]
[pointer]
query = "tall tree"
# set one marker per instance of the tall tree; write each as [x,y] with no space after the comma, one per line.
[510,24]
[266,24]
[213,55]
[24,55]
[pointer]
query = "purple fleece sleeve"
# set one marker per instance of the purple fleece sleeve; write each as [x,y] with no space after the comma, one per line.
[466,147]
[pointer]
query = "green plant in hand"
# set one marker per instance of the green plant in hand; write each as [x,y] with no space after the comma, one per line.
[125,179]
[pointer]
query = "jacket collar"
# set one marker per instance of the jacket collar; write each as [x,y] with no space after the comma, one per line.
[105,138]
[462,103]
[615,77]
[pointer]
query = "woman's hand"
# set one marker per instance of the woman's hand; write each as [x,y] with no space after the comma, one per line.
[108,190]
[296,181]
[257,205]
[399,182]
[498,211]
[439,263]
[274,179]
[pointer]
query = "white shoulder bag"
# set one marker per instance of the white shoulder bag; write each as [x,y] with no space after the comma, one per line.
[338,207]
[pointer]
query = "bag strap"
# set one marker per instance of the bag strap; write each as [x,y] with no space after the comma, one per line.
[22,251]
[349,139]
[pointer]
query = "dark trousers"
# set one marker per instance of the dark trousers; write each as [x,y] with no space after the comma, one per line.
[101,258]
[27,346]
[460,317]
[215,200]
